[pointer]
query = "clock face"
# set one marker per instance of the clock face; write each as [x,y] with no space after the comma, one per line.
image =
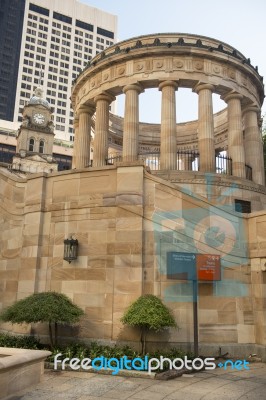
[39,118]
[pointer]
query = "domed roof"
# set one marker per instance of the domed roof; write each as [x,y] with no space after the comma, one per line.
[38,98]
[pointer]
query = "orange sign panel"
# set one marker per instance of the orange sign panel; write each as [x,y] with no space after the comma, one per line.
[208,267]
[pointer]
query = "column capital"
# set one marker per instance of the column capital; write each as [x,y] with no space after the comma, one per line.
[87,109]
[231,95]
[168,83]
[251,107]
[201,86]
[104,96]
[133,86]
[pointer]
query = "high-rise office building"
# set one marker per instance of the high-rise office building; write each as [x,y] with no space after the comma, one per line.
[11,25]
[49,41]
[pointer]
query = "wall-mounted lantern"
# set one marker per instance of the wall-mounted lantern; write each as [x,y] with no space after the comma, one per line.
[70,249]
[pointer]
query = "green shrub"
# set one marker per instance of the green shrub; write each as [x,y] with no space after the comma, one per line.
[148,313]
[21,342]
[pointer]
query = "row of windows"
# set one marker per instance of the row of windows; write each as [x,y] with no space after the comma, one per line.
[38,9]
[32,145]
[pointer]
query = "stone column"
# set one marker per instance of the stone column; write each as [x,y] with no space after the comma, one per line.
[168,157]
[206,128]
[82,139]
[254,145]
[131,122]
[76,142]
[235,134]
[100,151]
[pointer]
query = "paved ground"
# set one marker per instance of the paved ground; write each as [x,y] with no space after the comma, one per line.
[211,385]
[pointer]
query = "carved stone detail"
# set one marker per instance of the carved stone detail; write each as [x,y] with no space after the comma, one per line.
[178,63]
[199,65]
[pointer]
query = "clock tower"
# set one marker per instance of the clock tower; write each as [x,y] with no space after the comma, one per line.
[34,152]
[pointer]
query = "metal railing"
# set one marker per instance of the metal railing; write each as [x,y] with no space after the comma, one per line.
[223,164]
[185,161]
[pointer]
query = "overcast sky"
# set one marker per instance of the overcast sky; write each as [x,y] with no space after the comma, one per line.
[240,23]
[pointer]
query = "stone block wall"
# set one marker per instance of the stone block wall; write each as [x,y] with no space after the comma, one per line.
[126,221]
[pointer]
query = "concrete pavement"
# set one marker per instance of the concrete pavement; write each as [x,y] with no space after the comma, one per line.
[208,385]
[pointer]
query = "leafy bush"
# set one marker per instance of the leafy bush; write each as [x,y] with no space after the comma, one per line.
[22,342]
[50,307]
[148,313]
[94,350]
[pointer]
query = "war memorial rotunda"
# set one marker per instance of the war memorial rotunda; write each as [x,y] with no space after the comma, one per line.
[154,207]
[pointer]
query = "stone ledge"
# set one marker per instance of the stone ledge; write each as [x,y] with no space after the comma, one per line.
[20,368]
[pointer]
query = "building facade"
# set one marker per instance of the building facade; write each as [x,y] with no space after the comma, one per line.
[54,41]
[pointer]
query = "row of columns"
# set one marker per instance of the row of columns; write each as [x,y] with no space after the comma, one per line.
[248,151]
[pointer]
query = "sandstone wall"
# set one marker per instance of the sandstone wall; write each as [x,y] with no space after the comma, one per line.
[126,221]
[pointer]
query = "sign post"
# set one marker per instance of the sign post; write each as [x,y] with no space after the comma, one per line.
[195,317]
[194,267]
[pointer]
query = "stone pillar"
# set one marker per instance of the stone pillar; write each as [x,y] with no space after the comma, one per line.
[76,142]
[168,157]
[100,151]
[206,128]
[131,122]
[235,134]
[254,145]
[81,156]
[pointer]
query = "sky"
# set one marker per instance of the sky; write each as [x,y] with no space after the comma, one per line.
[240,23]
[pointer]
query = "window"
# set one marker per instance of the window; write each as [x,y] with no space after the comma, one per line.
[40,58]
[41,147]
[41,50]
[31,32]
[55,32]
[34,17]
[41,42]
[63,57]
[32,24]
[28,62]
[55,39]
[67,28]
[66,35]
[38,9]
[54,46]
[51,85]
[242,206]
[77,32]
[84,25]
[31,145]
[30,39]
[42,35]
[106,33]
[56,25]
[43,20]
[78,47]
[53,69]
[28,54]
[43,28]
[61,120]
[63,18]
